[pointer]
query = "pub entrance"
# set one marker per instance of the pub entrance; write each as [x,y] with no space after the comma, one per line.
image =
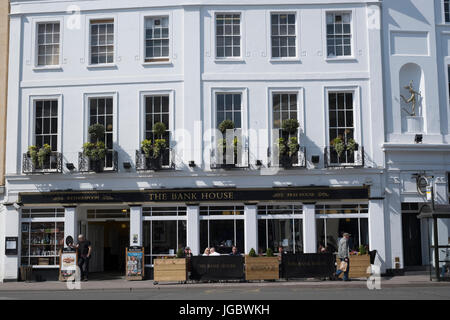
[109,238]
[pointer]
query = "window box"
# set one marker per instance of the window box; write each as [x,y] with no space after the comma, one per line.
[261,268]
[87,165]
[297,160]
[163,162]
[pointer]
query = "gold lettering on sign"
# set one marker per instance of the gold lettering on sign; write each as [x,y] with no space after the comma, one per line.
[159,196]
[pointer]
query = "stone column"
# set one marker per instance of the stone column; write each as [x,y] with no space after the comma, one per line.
[250,228]
[136,226]
[309,228]
[377,240]
[70,223]
[193,228]
[12,227]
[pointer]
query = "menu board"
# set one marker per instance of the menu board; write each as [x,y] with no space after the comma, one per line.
[134,263]
[67,263]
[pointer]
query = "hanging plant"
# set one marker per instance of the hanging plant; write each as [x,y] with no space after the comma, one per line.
[290,126]
[338,145]
[43,153]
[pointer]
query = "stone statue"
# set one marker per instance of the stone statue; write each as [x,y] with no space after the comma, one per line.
[412,99]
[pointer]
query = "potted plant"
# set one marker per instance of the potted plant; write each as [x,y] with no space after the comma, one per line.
[153,150]
[290,126]
[171,270]
[261,267]
[352,146]
[288,144]
[33,155]
[223,145]
[338,146]
[44,155]
[96,151]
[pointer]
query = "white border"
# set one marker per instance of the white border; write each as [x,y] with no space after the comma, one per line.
[297,36]
[156,14]
[34,45]
[88,20]
[213,27]
[353,24]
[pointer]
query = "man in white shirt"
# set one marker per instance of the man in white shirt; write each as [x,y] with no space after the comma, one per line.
[213,252]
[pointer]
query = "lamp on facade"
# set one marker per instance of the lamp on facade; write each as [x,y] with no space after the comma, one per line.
[258,163]
[192,164]
[70,166]
[418,138]
[127,165]
[315,159]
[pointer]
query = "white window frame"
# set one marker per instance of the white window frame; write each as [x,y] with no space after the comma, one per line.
[32,118]
[34,45]
[353,34]
[297,36]
[443,12]
[156,14]
[357,120]
[88,42]
[214,35]
[86,115]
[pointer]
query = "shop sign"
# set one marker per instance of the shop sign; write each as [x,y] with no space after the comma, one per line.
[196,195]
[134,263]
[217,268]
[68,261]
[308,265]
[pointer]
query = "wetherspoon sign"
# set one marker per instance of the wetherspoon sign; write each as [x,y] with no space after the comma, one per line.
[197,195]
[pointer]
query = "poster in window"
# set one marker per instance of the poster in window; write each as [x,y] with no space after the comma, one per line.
[134,263]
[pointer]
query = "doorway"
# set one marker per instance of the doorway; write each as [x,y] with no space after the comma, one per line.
[109,240]
[412,239]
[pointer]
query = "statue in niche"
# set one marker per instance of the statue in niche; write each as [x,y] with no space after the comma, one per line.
[412,99]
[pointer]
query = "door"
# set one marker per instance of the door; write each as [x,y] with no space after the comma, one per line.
[96,236]
[412,241]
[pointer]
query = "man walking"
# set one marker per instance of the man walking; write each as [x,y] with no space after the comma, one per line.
[84,254]
[343,251]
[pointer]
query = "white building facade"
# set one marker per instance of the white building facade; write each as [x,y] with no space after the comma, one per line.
[191,65]
[416,52]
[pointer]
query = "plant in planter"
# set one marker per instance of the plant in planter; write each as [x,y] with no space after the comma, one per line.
[261,268]
[222,144]
[290,126]
[96,151]
[269,253]
[147,148]
[288,145]
[252,253]
[33,154]
[338,146]
[352,146]
[44,154]
[180,253]
[153,150]
[171,270]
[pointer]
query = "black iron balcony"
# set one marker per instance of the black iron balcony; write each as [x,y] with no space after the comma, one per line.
[164,162]
[234,159]
[109,164]
[295,161]
[52,164]
[347,158]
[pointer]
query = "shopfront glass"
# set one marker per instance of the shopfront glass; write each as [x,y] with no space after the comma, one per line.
[42,236]
[443,247]
[222,227]
[334,220]
[164,231]
[280,225]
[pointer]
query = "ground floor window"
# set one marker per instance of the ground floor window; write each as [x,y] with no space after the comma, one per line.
[42,236]
[164,232]
[334,220]
[280,226]
[222,227]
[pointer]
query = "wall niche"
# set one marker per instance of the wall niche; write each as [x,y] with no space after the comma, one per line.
[412,98]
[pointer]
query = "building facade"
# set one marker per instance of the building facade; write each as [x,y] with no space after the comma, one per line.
[4,37]
[415,55]
[191,66]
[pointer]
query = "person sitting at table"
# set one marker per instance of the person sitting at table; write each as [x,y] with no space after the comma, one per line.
[234,251]
[206,252]
[212,252]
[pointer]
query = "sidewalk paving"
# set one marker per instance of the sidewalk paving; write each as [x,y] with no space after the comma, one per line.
[122,284]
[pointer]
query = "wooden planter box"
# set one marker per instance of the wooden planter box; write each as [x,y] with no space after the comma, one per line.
[170,270]
[358,266]
[262,268]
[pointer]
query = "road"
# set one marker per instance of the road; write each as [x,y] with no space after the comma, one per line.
[238,293]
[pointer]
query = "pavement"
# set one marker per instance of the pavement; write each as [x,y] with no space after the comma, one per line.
[122,284]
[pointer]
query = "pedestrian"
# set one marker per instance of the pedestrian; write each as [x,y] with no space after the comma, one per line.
[343,251]
[187,252]
[84,254]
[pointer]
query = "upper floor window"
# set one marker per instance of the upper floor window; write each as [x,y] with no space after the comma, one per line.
[46,123]
[229,108]
[102,41]
[283,35]
[156,39]
[228,35]
[48,37]
[339,34]
[157,111]
[101,112]
[447,10]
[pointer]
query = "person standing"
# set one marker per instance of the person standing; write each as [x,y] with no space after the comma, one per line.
[343,250]
[84,254]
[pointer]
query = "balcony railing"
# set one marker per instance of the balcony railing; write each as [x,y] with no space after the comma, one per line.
[110,164]
[165,162]
[347,158]
[229,159]
[53,164]
[297,160]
